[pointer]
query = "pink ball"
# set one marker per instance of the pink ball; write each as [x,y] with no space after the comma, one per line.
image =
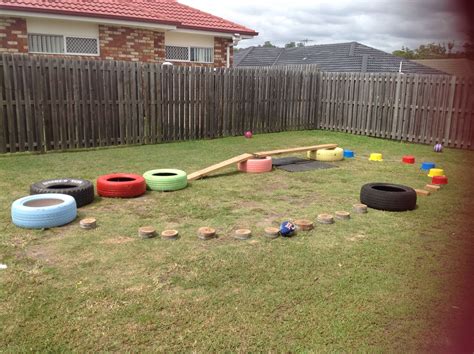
[248,134]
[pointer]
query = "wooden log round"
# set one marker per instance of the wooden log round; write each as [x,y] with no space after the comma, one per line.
[432,187]
[304,224]
[146,232]
[325,219]
[359,208]
[272,232]
[206,233]
[242,234]
[88,223]
[169,235]
[342,215]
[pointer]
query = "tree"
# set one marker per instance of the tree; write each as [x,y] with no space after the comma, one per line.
[405,52]
[430,51]
[426,51]
[300,44]
[290,45]
[268,44]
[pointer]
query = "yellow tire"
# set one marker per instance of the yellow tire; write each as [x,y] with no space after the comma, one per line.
[335,154]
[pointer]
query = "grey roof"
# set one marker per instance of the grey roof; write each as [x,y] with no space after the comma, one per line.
[338,57]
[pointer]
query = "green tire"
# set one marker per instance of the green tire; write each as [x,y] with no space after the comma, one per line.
[166,179]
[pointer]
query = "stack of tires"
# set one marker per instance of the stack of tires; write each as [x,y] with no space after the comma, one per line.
[52,203]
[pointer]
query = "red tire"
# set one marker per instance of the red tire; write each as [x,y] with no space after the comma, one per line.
[121,185]
[256,165]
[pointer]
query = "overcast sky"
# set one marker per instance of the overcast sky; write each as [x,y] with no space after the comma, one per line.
[383,24]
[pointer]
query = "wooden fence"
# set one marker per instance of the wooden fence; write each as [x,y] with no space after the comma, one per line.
[417,108]
[49,103]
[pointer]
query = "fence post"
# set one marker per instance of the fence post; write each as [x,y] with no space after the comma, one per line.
[394,134]
[447,126]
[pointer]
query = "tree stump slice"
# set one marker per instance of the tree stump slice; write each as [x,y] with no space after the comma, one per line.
[432,188]
[304,224]
[422,192]
[146,232]
[88,223]
[169,235]
[206,233]
[342,215]
[242,234]
[359,208]
[325,219]
[272,232]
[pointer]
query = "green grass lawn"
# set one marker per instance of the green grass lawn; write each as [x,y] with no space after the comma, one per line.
[378,282]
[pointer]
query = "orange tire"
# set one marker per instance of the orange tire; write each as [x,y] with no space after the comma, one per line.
[256,165]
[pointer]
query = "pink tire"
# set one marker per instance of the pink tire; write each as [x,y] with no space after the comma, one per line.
[256,165]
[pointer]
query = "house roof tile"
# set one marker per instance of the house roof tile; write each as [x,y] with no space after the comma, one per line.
[338,57]
[168,12]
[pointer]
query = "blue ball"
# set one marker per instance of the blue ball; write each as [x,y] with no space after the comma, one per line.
[287,228]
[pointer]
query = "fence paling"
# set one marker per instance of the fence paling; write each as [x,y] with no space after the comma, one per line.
[49,103]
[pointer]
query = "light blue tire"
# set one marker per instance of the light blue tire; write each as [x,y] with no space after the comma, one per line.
[42,211]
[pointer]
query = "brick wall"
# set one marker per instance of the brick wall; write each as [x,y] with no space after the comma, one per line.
[135,44]
[13,35]
[220,52]
[116,43]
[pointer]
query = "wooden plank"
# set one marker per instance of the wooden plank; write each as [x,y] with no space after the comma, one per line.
[422,192]
[206,171]
[3,103]
[20,121]
[26,74]
[447,126]
[9,101]
[293,150]
[62,99]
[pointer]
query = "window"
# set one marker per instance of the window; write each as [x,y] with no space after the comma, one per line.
[76,45]
[39,43]
[54,44]
[193,54]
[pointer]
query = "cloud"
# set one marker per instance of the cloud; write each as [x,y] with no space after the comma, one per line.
[385,24]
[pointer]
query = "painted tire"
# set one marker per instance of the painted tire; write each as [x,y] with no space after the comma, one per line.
[256,165]
[121,185]
[81,189]
[166,179]
[336,154]
[41,211]
[387,196]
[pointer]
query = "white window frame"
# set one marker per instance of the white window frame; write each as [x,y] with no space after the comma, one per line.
[65,45]
[189,54]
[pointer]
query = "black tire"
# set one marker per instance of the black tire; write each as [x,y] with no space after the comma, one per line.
[388,196]
[82,190]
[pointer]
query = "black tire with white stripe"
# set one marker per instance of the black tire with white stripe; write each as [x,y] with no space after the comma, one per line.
[82,190]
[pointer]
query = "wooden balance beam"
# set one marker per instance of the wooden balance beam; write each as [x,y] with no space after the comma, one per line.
[213,168]
[244,157]
[292,150]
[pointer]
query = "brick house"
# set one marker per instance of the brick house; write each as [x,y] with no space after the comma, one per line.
[135,30]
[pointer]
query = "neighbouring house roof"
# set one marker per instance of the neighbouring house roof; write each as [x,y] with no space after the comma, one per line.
[338,57]
[169,12]
[457,67]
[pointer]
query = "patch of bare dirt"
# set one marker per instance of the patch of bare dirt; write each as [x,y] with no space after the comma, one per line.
[118,240]
[43,253]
